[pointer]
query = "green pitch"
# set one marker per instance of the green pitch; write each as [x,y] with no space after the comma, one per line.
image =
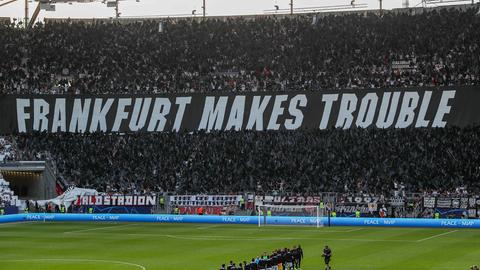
[137,246]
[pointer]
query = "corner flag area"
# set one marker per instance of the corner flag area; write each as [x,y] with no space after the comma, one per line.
[147,246]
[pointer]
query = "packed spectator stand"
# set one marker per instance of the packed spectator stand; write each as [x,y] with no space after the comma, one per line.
[435,48]
[7,151]
[357,160]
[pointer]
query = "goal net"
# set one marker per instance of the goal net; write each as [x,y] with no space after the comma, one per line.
[268,213]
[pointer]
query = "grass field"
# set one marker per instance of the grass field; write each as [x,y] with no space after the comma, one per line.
[129,246]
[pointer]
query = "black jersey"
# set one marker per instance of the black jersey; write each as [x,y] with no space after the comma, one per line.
[327,253]
[289,257]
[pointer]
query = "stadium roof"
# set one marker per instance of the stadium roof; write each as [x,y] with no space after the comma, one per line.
[163,8]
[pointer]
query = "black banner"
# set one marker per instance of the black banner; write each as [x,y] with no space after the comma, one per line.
[429,202]
[288,200]
[397,201]
[365,198]
[345,209]
[444,203]
[454,206]
[392,108]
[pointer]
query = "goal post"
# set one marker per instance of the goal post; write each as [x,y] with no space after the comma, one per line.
[313,212]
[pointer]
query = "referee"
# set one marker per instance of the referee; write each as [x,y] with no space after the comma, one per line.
[327,255]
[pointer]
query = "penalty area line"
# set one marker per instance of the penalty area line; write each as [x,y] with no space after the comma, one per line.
[101,228]
[229,238]
[78,261]
[16,223]
[281,229]
[435,236]
[354,230]
[208,227]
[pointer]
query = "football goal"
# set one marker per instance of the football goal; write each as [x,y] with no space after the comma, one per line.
[265,212]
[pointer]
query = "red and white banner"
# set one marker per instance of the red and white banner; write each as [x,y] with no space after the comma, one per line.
[209,210]
[117,200]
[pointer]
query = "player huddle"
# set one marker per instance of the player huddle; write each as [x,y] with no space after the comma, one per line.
[281,259]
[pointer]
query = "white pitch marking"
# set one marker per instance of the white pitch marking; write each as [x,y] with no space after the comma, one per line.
[354,230]
[318,230]
[435,236]
[16,223]
[101,228]
[229,238]
[79,260]
[208,227]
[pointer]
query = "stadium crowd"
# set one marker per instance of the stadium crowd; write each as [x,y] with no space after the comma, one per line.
[306,162]
[7,151]
[435,48]
[286,258]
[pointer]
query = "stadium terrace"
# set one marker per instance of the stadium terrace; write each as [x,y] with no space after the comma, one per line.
[187,143]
